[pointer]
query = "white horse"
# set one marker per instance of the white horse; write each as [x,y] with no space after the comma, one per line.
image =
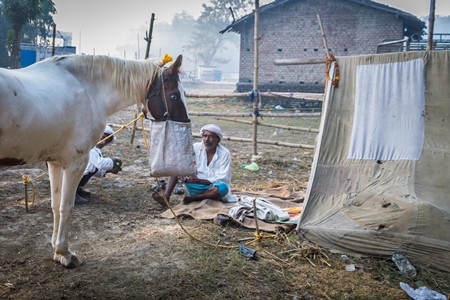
[56,111]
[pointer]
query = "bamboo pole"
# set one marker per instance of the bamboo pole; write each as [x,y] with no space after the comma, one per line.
[236,139]
[53,39]
[298,61]
[26,197]
[148,38]
[255,217]
[431,24]
[267,142]
[255,79]
[300,96]
[323,36]
[294,128]
[147,54]
[268,115]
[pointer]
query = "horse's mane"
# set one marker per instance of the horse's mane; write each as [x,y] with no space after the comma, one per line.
[135,73]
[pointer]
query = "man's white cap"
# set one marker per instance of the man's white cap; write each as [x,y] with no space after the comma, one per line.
[213,128]
[108,130]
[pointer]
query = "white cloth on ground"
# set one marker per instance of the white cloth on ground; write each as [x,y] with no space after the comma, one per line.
[265,210]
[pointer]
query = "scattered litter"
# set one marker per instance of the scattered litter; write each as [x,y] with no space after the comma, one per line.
[422,293]
[350,267]
[154,187]
[179,189]
[222,220]
[252,167]
[279,107]
[256,157]
[344,257]
[403,264]
[247,252]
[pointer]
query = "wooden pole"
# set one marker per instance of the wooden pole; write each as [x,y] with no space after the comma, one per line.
[147,54]
[298,61]
[149,37]
[294,128]
[236,139]
[272,115]
[26,197]
[431,24]
[54,36]
[255,79]
[255,217]
[323,36]
[292,95]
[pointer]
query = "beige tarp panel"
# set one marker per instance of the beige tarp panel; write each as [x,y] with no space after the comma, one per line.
[372,206]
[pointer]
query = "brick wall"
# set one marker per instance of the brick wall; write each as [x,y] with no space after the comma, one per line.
[292,31]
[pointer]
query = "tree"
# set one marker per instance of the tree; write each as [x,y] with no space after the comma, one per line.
[206,41]
[4,27]
[38,31]
[22,12]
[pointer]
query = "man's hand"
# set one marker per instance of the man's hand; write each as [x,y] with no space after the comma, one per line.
[117,165]
[194,179]
[191,179]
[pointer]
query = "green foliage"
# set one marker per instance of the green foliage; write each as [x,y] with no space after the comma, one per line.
[4,27]
[206,40]
[38,30]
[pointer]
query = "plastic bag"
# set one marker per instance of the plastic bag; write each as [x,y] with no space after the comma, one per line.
[422,293]
[403,265]
[171,152]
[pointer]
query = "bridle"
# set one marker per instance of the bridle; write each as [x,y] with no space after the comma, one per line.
[156,91]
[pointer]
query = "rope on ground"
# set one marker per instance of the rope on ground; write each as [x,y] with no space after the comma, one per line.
[26,180]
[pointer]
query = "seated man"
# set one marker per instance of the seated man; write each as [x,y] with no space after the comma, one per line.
[213,171]
[98,165]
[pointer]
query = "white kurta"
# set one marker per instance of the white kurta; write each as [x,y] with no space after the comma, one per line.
[219,169]
[97,161]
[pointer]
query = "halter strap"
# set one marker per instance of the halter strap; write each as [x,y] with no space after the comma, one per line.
[162,100]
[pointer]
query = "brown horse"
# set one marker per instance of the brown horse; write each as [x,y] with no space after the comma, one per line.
[56,111]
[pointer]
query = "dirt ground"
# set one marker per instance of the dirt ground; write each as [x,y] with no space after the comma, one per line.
[126,249]
[128,252]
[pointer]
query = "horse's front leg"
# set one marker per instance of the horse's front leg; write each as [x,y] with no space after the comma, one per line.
[63,210]
[55,175]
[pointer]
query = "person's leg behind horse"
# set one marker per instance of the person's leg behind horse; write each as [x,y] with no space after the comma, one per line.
[173,180]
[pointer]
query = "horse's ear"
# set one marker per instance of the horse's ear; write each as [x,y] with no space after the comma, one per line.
[175,67]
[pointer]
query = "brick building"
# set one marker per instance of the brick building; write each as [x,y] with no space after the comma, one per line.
[289,29]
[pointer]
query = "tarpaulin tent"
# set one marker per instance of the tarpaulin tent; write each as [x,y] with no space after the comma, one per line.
[380,180]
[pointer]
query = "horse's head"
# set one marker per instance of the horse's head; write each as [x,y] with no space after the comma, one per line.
[165,97]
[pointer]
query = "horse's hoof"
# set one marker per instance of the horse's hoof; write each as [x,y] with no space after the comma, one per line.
[69,261]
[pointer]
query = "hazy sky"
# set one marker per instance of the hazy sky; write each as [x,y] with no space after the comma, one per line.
[103,25]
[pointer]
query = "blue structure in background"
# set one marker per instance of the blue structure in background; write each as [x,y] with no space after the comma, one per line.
[31,53]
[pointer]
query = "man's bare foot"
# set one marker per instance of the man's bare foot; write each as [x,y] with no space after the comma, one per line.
[189,199]
[158,198]
[192,198]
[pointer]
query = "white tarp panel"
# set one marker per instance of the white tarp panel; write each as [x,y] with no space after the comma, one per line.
[380,180]
[381,129]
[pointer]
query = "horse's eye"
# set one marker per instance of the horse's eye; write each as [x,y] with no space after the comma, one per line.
[173,97]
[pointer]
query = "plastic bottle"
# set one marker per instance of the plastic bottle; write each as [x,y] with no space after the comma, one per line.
[403,264]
